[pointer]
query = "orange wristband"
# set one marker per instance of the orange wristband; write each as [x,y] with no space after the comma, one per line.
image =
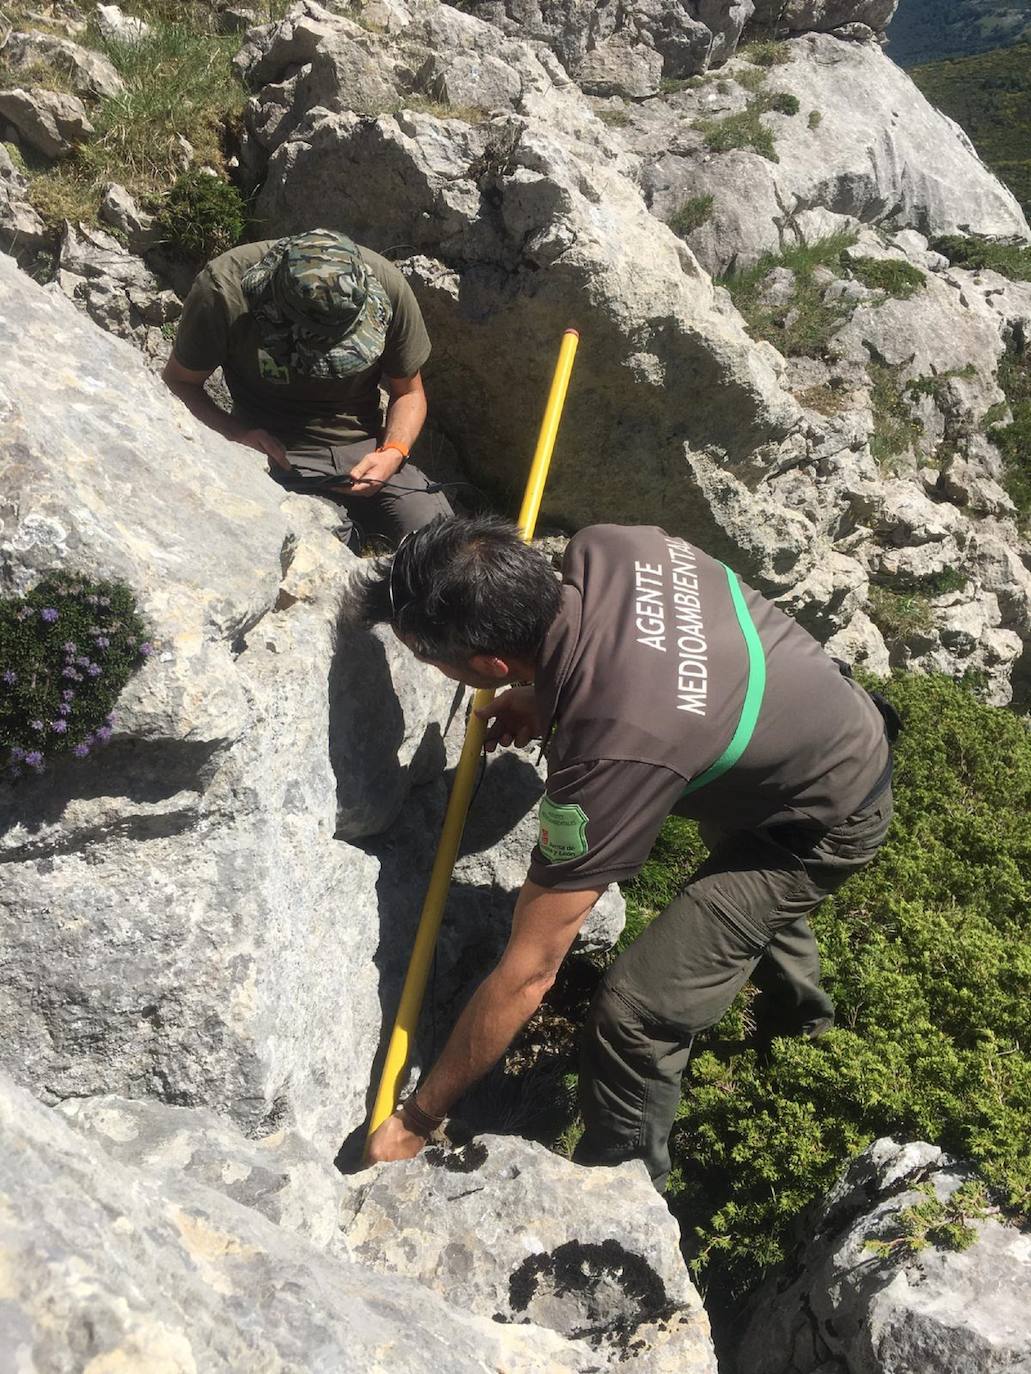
[400,448]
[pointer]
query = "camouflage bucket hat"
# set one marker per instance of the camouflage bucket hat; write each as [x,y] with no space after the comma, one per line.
[319,309]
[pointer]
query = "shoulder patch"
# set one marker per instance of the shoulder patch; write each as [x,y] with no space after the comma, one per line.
[563,831]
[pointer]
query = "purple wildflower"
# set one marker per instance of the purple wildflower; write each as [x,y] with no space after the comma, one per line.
[94,670]
[49,614]
[59,726]
[70,647]
[110,718]
[82,661]
[64,709]
[104,733]
[69,672]
[68,694]
[10,677]
[146,649]
[36,724]
[34,758]
[81,750]
[102,641]
[16,754]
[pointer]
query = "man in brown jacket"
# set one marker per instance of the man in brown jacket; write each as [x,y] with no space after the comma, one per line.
[659,683]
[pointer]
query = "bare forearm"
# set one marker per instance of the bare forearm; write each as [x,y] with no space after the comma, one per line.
[202,407]
[406,416]
[493,1017]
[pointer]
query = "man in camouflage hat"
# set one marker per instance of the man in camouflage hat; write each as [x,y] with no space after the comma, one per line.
[307,330]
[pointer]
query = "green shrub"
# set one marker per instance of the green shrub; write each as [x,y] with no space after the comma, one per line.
[766,52]
[933,1222]
[802,327]
[618,119]
[691,215]
[1014,440]
[1011,260]
[935,384]
[670,85]
[743,131]
[202,216]
[928,955]
[67,649]
[898,279]
[815,119]
[781,102]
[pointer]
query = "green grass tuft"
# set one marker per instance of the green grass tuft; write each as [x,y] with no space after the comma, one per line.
[766,52]
[803,326]
[201,217]
[691,215]
[1011,260]
[895,429]
[900,280]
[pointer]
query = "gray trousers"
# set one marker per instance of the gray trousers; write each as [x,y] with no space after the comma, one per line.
[403,504]
[741,916]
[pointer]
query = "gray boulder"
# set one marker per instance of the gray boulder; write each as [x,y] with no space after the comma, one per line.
[52,122]
[801,16]
[119,210]
[168,1274]
[116,289]
[879,153]
[844,1306]
[91,73]
[177,918]
[22,232]
[509,1231]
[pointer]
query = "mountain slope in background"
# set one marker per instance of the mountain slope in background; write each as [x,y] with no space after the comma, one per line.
[990,96]
[928,30]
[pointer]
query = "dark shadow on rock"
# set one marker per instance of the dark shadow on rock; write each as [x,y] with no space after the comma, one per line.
[144,772]
[510,787]
[366,730]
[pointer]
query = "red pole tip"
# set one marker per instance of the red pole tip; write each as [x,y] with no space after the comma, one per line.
[575,332]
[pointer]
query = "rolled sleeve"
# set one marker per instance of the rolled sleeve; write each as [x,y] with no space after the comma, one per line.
[599,820]
[203,333]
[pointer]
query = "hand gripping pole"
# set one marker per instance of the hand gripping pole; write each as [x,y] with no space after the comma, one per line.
[396,1064]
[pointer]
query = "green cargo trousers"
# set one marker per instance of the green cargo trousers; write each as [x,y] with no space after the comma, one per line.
[741,916]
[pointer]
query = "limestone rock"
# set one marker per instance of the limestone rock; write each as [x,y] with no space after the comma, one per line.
[107,1267]
[879,153]
[52,122]
[800,16]
[177,918]
[282,1175]
[118,27]
[22,232]
[510,1231]
[936,1312]
[120,211]
[115,288]
[91,72]
[619,67]
[559,206]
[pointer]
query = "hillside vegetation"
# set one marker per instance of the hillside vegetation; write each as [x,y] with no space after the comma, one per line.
[990,96]
[926,30]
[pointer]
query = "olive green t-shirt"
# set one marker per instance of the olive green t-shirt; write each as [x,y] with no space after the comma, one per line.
[218,330]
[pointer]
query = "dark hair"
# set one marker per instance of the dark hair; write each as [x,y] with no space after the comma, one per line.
[459,587]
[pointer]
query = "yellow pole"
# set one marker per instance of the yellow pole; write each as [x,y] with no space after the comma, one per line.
[396,1063]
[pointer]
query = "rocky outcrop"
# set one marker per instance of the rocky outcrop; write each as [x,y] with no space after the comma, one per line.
[22,232]
[116,288]
[848,1306]
[196,913]
[170,1271]
[520,213]
[519,226]
[90,73]
[499,1228]
[863,147]
[52,122]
